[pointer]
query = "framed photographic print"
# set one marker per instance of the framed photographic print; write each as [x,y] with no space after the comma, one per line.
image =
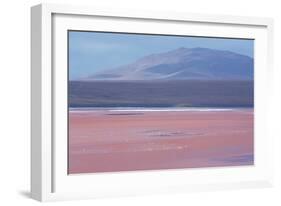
[134,102]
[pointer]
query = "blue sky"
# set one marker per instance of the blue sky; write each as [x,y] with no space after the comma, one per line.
[91,52]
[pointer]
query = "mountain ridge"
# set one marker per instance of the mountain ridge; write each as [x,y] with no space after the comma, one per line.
[183,63]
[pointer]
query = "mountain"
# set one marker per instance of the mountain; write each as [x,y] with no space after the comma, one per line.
[184,63]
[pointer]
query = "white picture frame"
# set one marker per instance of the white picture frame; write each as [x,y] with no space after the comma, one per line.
[49,178]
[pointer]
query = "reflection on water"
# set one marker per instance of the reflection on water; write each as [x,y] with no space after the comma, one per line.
[167,133]
[125,114]
[245,158]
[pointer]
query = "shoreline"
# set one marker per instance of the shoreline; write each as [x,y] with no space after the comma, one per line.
[157,109]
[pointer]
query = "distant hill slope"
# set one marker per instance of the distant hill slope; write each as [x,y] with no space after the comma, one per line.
[172,93]
[184,63]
